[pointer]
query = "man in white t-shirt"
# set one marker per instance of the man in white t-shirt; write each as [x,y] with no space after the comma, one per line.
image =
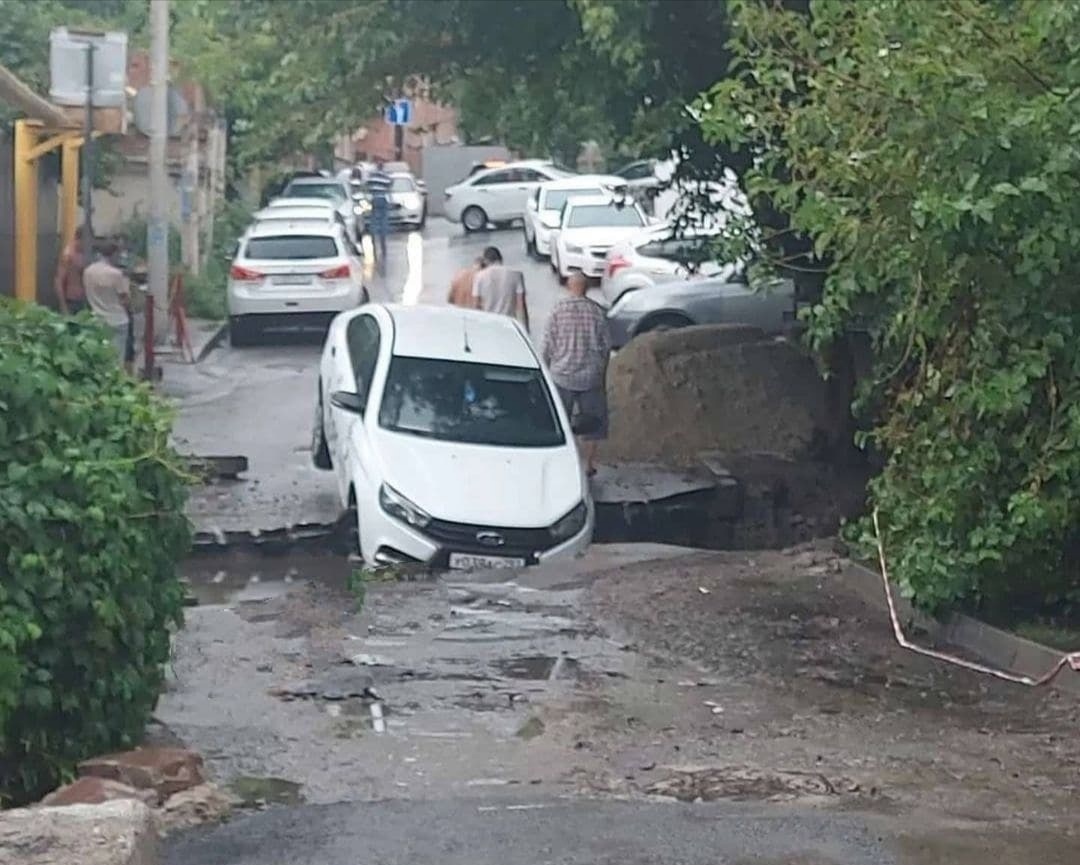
[108,294]
[499,289]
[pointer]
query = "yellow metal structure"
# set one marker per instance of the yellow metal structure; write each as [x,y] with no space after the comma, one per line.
[33,140]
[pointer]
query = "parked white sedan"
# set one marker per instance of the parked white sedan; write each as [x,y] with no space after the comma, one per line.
[589,227]
[290,272]
[545,206]
[447,440]
[498,195]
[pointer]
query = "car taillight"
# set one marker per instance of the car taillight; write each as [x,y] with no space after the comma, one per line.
[339,272]
[243,274]
[615,264]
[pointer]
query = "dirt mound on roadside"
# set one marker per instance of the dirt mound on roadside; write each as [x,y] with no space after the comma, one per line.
[731,388]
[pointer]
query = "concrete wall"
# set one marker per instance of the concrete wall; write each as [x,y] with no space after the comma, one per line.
[48,225]
[128,196]
[444,166]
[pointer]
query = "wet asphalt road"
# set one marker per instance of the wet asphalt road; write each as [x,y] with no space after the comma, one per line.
[499,832]
[259,402]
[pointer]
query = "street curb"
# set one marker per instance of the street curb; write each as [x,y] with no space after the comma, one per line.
[213,341]
[995,647]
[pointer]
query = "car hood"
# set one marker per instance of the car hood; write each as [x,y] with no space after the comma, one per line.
[598,236]
[549,218]
[482,485]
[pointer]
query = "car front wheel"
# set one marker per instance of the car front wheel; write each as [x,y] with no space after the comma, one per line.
[474,218]
[668,321]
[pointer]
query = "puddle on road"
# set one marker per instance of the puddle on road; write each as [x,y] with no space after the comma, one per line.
[240,576]
[744,784]
[255,792]
[538,668]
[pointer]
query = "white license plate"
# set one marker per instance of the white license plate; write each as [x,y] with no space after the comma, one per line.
[291,280]
[469,562]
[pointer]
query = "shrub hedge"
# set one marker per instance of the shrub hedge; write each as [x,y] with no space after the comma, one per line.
[91,528]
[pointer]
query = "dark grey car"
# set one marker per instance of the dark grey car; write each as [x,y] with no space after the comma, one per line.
[726,298]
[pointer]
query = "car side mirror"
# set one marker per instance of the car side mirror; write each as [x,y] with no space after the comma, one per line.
[348,401]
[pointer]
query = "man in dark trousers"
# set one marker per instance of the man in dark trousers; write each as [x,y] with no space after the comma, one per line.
[576,348]
[378,186]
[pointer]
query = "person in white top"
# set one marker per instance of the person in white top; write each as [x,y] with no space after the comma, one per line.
[108,294]
[498,289]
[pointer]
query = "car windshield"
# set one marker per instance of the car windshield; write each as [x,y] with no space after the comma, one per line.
[606,215]
[556,198]
[291,247]
[472,403]
[331,191]
[402,184]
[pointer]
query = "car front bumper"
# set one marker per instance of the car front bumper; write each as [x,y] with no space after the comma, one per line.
[543,241]
[586,262]
[386,540]
[247,301]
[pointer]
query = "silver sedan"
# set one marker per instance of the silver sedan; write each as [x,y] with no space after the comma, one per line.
[723,299]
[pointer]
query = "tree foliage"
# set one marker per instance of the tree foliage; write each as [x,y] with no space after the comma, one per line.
[932,153]
[91,528]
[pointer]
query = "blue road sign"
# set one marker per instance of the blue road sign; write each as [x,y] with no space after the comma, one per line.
[399,112]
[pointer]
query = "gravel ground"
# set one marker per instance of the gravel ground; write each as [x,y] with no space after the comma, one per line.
[809,680]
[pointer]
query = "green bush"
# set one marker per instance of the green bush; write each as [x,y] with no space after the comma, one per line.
[91,528]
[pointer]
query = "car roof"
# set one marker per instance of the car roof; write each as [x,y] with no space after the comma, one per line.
[302,211]
[453,333]
[594,200]
[300,201]
[524,163]
[320,180]
[576,180]
[284,228]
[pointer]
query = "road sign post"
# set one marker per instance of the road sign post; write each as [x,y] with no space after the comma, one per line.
[399,115]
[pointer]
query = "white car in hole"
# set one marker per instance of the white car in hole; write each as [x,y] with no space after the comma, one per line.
[545,206]
[286,273]
[447,440]
[589,227]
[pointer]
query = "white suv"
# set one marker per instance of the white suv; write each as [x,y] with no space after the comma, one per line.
[447,440]
[285,272]
[546,203]
[498,195]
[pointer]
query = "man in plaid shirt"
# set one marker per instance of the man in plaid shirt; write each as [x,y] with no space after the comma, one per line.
[575,349]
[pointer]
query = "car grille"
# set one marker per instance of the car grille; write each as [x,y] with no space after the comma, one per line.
[461,537]
[599,251]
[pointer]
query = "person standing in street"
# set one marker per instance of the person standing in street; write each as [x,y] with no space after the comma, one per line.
[499,289]
[461,286]
[575,348]
[108,294]
[378,186]
[70,294]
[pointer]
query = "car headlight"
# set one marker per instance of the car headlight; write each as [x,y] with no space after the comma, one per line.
[396,505]
[362,207]
[411,201]
[571,524]
[574,250]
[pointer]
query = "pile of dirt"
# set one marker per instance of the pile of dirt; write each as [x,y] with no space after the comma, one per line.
[675,394]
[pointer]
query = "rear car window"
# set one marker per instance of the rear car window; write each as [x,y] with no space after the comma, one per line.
[607,215]
[556,198]
[291,247]
[330,191]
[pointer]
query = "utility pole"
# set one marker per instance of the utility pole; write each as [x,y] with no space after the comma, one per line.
[157,228]
[88,159]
